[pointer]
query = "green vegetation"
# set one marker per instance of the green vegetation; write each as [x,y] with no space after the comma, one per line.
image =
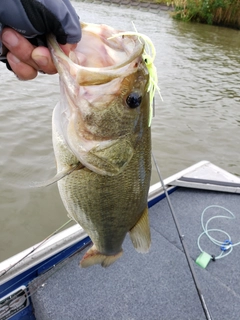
[218,12]
[164,2]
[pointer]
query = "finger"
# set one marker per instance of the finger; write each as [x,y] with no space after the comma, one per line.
[42,57]
[22,70]
[66,48]
[20,47]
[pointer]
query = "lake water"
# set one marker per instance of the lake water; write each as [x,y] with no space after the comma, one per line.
[199,119]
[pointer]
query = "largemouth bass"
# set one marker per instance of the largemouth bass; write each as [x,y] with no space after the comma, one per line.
[101,137]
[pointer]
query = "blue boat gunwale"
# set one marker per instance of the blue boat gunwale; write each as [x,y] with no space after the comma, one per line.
[19,276]
[44,266]
[23,279]
[68,241]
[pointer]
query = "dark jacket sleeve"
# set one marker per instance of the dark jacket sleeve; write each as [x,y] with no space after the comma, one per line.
[32,18]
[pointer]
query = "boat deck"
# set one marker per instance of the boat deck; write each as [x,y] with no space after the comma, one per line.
[157,285]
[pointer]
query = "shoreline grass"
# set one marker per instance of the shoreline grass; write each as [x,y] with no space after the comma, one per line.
[214,12]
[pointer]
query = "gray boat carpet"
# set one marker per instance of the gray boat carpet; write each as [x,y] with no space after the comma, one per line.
[157,285]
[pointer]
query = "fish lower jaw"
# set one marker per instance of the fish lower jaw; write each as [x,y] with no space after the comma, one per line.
[93,256]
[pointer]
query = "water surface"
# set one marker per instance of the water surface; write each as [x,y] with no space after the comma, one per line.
[198,70]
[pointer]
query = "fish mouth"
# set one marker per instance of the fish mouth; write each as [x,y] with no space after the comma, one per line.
[113,57]
[95,81]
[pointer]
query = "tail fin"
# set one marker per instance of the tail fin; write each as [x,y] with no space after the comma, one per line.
[93,256]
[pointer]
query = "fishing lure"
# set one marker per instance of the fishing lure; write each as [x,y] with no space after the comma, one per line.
[148,55]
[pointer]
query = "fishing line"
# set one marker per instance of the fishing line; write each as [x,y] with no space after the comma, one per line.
[49,272]
[41,279]
[35,248]
[181,237]
[226,246]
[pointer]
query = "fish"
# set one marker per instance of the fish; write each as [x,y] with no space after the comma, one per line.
[102,139]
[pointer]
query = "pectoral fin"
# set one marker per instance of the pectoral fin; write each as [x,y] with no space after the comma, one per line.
[56,178]
[140,234]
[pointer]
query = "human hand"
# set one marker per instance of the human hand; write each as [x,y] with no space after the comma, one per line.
[26,59]
[35,20]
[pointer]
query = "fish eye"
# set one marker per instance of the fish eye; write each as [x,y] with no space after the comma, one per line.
[134,100]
